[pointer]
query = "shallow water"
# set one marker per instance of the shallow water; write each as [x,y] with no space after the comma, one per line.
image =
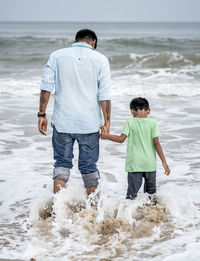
[117,229]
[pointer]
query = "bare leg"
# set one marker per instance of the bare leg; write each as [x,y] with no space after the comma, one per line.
[58,184]
[91,189]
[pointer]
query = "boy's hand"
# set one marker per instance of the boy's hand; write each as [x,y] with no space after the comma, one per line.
[104,136]
[167,169]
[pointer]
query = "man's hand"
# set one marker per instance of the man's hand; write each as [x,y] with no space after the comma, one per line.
[106,109]
[42,125]
[106,127]
[167,169]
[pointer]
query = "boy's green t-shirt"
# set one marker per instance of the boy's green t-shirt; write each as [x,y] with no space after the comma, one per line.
[140,152]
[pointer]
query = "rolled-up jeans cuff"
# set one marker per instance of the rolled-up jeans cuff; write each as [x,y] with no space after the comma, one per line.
[61,173]
[91,179]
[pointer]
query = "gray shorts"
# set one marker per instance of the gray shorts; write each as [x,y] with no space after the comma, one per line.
[135,182]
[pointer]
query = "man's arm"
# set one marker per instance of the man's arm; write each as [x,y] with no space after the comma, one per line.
[42,121]
[44,98]
[159,150]
[104,93]
[115,138]
[47,86]
[106,109]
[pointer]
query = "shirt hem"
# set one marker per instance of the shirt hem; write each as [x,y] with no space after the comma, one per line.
[149,170]
[70,131]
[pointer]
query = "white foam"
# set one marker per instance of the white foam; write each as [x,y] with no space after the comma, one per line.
[27,188]
[163,84]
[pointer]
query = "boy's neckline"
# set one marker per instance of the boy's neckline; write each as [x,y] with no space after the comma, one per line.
[139,118]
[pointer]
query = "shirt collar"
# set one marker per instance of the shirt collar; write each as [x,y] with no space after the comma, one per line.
[82,44]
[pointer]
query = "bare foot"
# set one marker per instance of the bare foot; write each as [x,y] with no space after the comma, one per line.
[58,185]
[91,189]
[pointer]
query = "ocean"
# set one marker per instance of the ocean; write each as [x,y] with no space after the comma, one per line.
[159,61]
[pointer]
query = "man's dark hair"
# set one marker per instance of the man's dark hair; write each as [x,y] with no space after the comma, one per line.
[87,35]
[139,104]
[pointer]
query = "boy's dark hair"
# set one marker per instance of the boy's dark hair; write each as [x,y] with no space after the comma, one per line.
[86,34]
[139,104]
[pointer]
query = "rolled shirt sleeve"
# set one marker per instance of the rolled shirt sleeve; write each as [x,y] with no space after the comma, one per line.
[49,75]
[104,89]
[155,130]
[126,129]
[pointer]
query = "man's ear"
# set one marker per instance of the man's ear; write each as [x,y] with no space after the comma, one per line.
[93,44]
[148,111]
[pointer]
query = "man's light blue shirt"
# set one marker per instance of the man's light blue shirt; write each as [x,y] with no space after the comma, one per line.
[81,77]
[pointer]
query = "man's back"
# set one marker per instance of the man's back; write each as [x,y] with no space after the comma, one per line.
[82,79]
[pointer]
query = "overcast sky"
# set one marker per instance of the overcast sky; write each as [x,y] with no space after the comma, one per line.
[100,10]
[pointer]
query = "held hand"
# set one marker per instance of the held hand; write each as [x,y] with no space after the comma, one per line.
[103,136]
[167,169]
[105,128]
[103,132]
[42,125]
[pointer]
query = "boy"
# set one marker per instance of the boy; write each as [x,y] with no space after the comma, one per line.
[143,143]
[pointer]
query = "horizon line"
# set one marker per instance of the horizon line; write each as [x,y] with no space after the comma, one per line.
[28,21]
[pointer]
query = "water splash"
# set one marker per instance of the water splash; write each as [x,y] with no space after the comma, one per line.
[107,230]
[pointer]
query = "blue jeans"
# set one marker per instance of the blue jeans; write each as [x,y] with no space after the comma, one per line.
[88,156]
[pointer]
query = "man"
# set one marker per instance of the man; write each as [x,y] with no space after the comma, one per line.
[81,77]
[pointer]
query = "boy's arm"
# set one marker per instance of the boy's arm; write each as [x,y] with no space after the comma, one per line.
[115,138]
[159,150]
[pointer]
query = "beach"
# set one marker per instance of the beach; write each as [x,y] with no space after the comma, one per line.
[159,61]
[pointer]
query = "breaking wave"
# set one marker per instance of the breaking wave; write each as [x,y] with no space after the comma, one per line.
[156,60]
